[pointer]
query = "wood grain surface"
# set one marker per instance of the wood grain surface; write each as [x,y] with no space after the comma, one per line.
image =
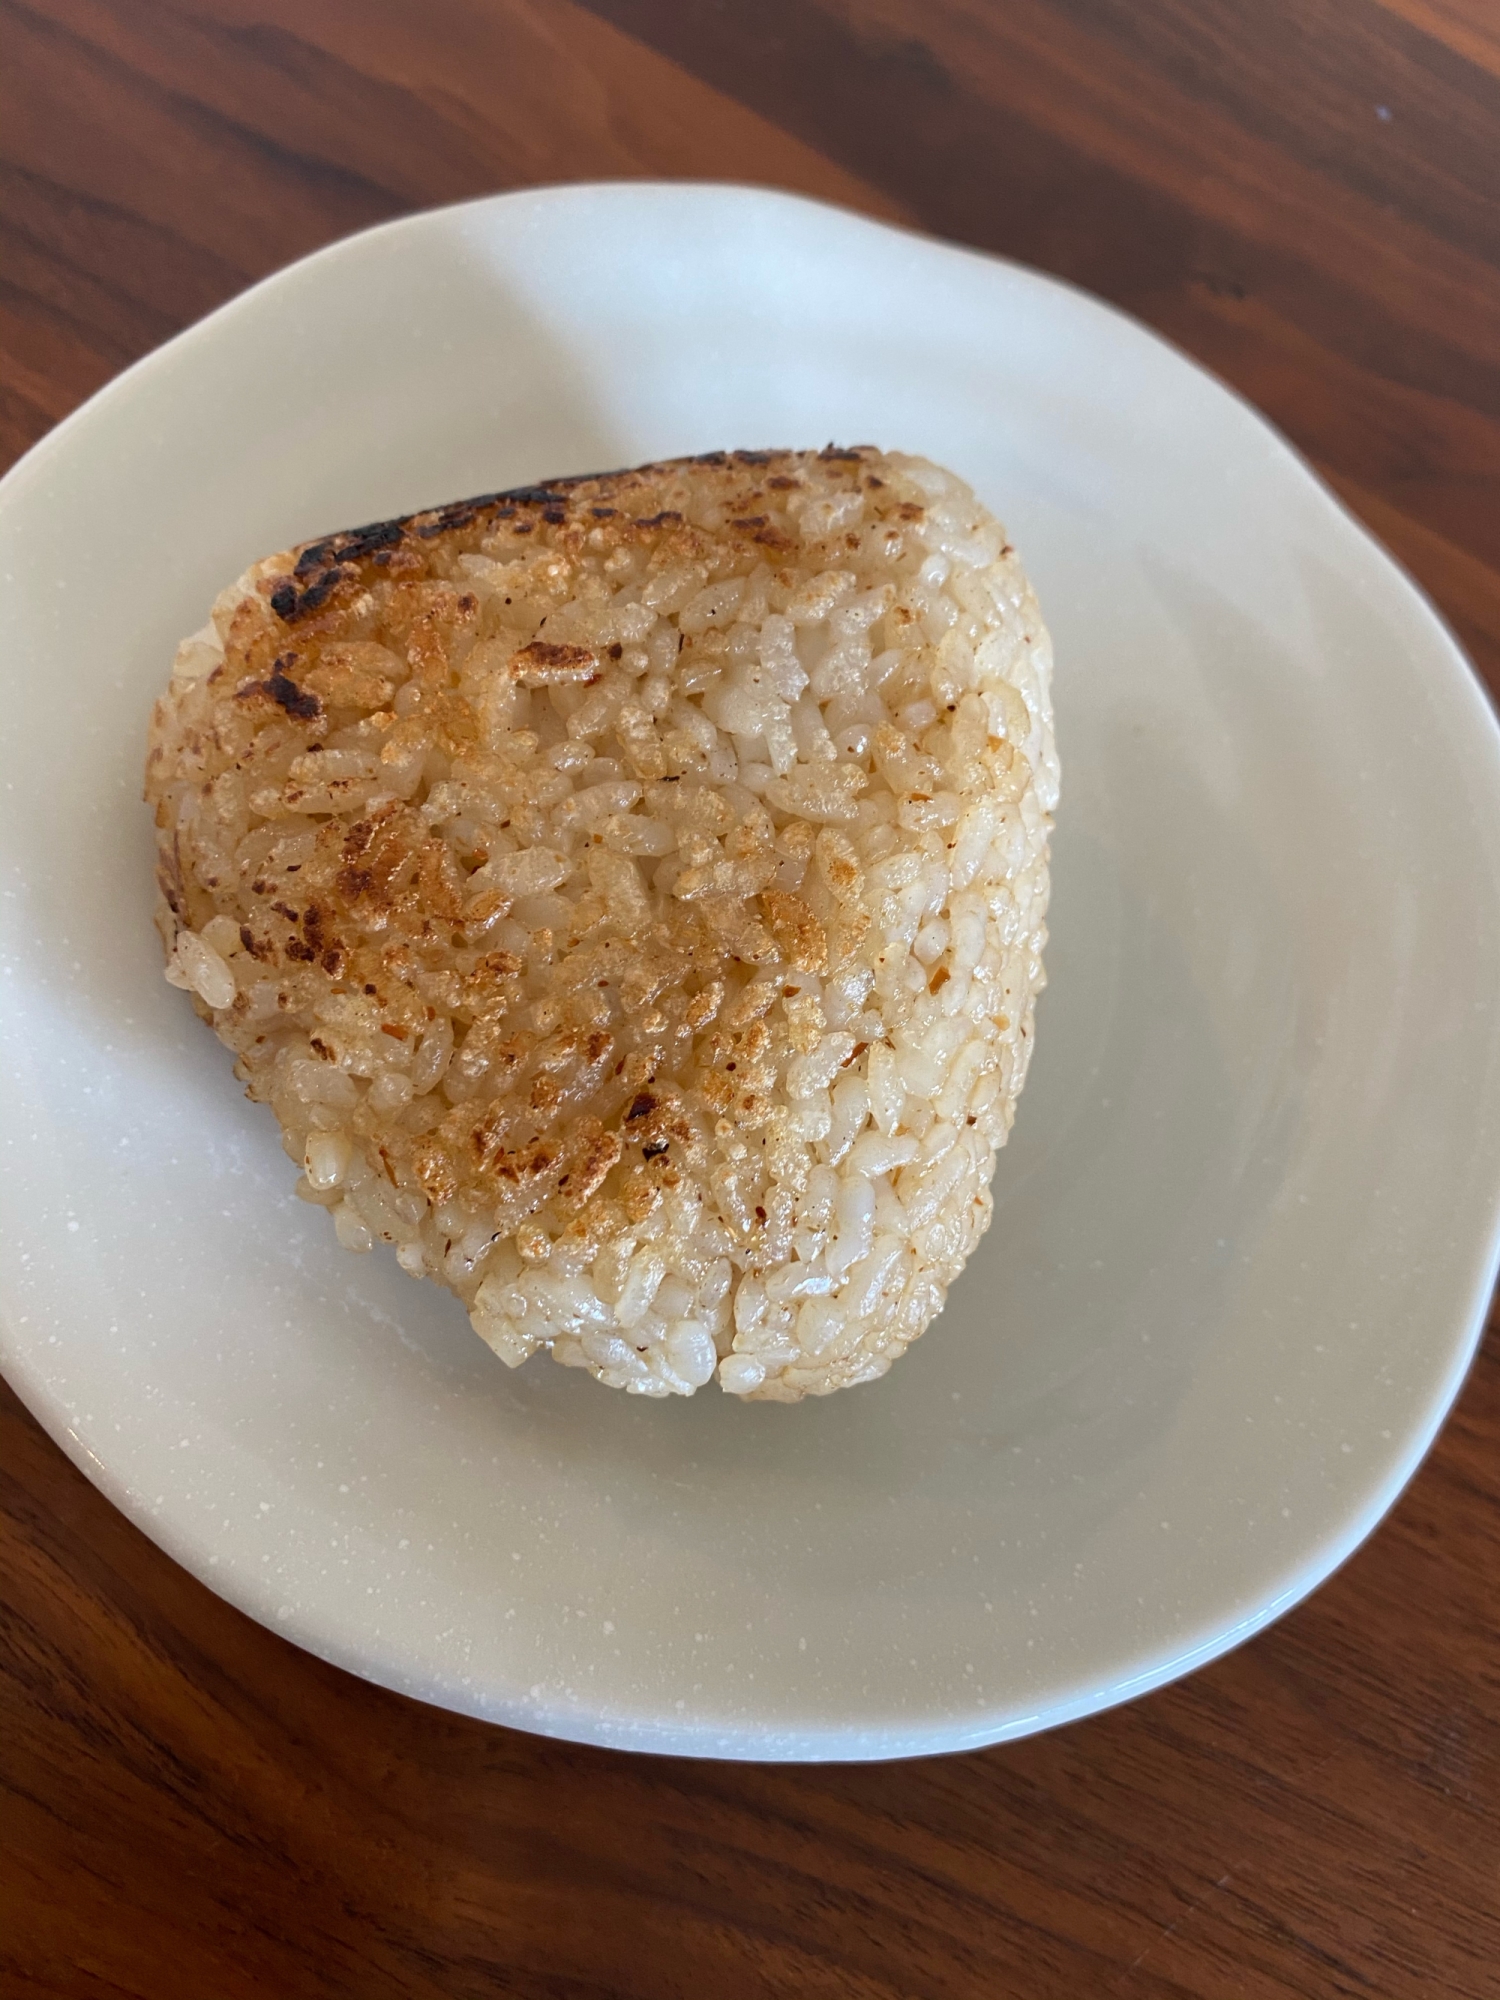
[1301,193]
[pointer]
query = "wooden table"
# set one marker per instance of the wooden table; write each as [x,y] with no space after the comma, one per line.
[1303,193]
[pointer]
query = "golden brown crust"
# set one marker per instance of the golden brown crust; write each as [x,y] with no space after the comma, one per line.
[324,577]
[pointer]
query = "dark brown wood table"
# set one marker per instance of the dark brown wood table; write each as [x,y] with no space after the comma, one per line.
[1305,194]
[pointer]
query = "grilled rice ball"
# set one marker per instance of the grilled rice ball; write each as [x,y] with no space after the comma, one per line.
[628,893]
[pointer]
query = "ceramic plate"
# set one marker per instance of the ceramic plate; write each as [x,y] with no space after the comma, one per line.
[1245,1231]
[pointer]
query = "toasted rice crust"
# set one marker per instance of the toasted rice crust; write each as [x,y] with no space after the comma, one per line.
[629,894]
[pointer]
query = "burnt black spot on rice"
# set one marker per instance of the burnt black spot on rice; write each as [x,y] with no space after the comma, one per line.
[285,692]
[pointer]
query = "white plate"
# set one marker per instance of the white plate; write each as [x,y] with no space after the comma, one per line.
[1246,1229]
